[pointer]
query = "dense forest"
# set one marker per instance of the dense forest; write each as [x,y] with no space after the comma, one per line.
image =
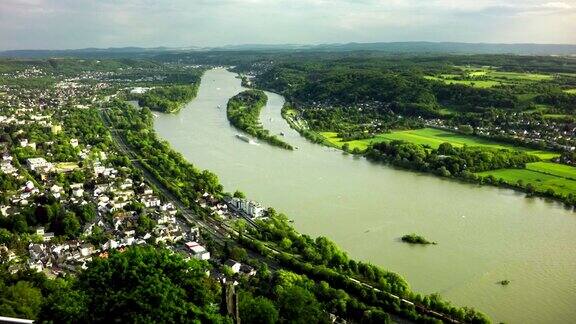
[448,160]
[168,99]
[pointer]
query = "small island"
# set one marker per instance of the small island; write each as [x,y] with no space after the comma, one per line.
[504,282]
[243,112]
[416,239]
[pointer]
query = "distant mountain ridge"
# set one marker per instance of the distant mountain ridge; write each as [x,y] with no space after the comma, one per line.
[388,47]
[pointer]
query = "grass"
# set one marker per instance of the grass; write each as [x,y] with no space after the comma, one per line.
[333,139]
[434,137]
[555,169]
[539,180]
[556,116]
[570,91]
[66,166]
[488,78]
[471,83]
[519,76]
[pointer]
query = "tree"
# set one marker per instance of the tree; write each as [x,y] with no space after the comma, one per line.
[5,236]
[86,212]
[145,224]
[238,253]
[375,316]
[239,194]
[259,310]
[466,129]
[298,305]
[21,300]
[70,225]
[141,284]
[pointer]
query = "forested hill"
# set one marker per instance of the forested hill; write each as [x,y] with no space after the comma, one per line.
[388,47]
[424,83]
[454,47]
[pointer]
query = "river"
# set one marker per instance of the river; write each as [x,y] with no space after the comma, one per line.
[485,234]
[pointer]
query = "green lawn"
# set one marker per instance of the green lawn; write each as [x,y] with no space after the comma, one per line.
[540,181]
[66,166]
[556,169]
[336,141]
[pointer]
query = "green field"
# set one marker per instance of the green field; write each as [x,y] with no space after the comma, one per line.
[542,175]
[539,180]
[471,83]
[434,137]
[555,169]
[487,77]
[519,76]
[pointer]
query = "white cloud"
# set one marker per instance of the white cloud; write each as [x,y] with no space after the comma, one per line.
[103,23]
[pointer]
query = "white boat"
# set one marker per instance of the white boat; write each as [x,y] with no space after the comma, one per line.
[246,139]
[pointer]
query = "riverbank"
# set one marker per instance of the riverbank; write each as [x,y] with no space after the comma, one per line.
[535,183]
[319,259]
[364,206]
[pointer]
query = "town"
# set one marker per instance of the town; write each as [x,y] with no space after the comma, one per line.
[57,173]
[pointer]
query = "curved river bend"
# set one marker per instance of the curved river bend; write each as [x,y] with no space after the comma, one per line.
[485,234]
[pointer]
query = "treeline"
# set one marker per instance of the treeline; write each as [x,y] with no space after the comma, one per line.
[564,101]
[168,99]
[321,260]
[141,284]
[447,160]
[325,261]
[148,284]
[350,83]
[184,180]
[46,212]
[243,112]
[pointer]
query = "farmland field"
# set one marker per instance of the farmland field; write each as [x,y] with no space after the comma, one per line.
[434,137]
[559,170]
[540,181]
[472,83]
[488,78]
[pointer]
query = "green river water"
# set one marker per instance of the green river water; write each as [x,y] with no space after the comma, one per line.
[485,234]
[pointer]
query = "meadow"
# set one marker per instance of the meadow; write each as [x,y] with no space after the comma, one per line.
[555,169]
[434,137]
[540,181]
[488,78]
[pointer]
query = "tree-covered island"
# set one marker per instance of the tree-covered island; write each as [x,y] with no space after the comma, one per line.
[243,112]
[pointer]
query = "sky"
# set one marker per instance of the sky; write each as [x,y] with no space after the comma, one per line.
[67,24]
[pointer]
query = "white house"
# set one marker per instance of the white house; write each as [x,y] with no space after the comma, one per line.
[234,265]
[198,251]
